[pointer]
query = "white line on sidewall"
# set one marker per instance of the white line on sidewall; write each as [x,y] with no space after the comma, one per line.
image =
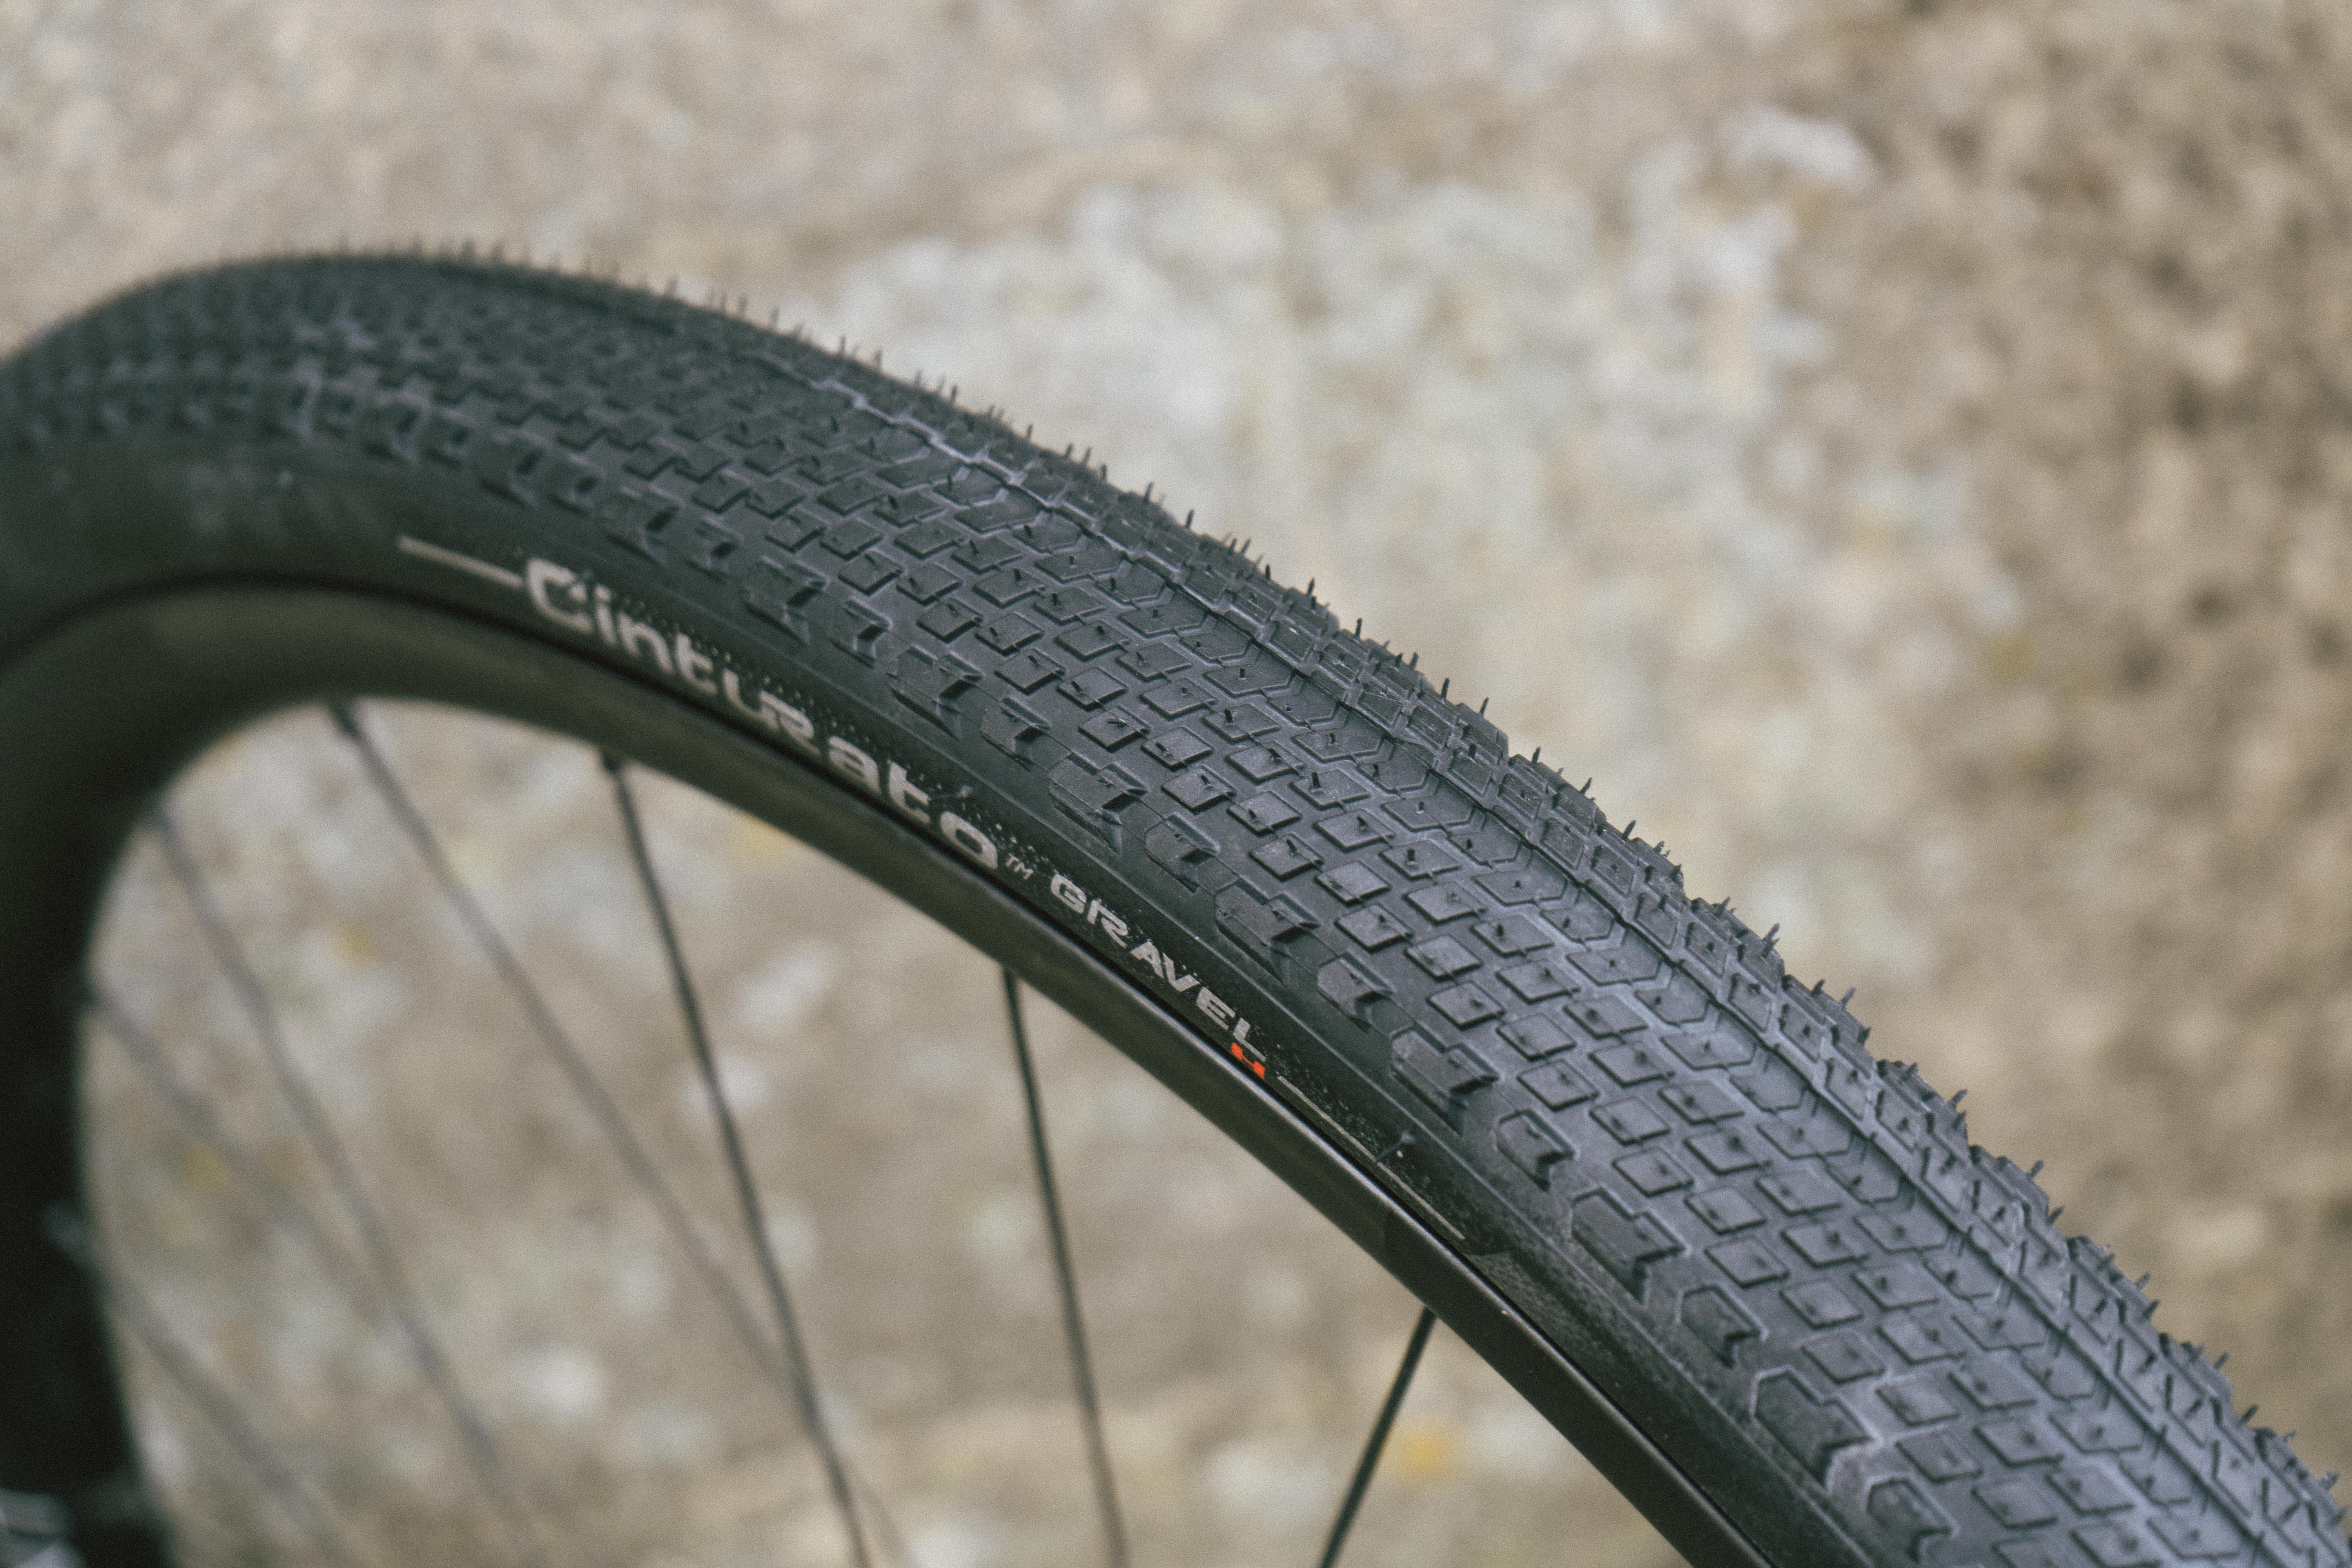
[482,569]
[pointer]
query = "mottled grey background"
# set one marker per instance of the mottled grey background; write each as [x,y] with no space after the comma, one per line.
[1900,451]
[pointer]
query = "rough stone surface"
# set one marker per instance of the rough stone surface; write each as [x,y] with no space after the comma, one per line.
[1900,451]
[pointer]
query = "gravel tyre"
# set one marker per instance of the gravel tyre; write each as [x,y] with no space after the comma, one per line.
[1808,1321]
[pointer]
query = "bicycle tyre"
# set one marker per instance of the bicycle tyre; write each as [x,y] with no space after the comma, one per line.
[1761,1277]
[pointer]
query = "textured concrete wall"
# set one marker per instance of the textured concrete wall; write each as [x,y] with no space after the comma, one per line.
[1900,451]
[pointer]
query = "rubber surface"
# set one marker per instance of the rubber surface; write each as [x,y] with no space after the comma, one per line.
[1781,1258]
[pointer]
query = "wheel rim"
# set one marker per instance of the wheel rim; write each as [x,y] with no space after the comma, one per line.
[177,671]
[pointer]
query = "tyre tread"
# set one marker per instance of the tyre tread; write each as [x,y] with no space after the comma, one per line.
[1597,1080]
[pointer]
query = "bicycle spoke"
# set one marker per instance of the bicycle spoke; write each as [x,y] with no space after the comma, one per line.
[593,1098]
[1082,1374]
[1378,1438]
[747,1192]
[131,1310]
[491,1469]
[197,1119]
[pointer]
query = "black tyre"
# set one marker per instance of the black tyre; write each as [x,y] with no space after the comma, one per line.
[1761,1277]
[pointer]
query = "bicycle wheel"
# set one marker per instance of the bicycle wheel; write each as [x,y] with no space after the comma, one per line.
[1760,1278]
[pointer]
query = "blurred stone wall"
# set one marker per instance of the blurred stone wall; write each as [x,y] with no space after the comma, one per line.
[1900,451]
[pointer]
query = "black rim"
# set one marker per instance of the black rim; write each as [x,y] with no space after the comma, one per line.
[100,715]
